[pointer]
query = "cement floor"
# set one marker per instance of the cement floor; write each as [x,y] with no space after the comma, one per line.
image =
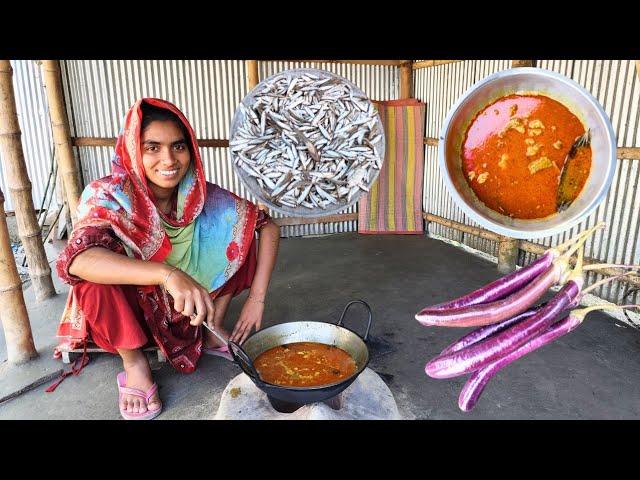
[592,373]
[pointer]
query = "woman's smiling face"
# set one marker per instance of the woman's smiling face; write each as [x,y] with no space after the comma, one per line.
[165,156]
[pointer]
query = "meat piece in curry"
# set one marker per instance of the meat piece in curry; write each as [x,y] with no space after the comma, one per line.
[514,150]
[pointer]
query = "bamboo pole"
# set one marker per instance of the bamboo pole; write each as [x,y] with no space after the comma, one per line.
[628,153]
[61,134]
[638,67]
[478,232]
[623,153]
[406,80]
[111,142]
[13,311]
[507,254]
[384,63]
[289,221]
[537,249]
[253,77]
[20,187]
[432,63]
[508,247]
[525,245]
[522,63]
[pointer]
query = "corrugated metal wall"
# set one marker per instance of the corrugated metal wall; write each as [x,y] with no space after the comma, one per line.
[615,84]
[33,117]
[440,87]
[207,91]
[99,92]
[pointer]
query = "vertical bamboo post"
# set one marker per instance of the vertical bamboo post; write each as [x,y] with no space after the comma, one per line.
[508,247]
[253,78]
[13,311]
[507,254]
[20,187]
[61,135]
[522,63]
[638,67]
[406,80]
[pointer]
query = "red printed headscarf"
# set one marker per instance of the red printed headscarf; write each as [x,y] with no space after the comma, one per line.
[134,216]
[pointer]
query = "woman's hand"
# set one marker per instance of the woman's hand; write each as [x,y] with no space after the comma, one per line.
[190,298]
[250,317]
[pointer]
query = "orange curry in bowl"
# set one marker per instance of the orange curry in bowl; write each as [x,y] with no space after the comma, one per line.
[304,364]
[514,150]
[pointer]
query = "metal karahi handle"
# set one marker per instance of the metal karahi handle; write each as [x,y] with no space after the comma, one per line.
[242,359]
[215,333]
[238,354]
[366,334]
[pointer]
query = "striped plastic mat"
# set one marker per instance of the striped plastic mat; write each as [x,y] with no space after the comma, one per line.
[394,202]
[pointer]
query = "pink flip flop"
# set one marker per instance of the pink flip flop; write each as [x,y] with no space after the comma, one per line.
[222,351]
[124,390]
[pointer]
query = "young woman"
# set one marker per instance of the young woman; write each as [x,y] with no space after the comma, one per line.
[156,251]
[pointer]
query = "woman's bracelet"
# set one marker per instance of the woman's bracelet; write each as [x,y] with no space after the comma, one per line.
[166,279]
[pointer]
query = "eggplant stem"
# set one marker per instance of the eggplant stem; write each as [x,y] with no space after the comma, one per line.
[581,241]
[584,311]
[606,280]
[577,272]
[568,243]
[597,266]
[580,261]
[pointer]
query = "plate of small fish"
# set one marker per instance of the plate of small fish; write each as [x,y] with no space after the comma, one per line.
[307,142]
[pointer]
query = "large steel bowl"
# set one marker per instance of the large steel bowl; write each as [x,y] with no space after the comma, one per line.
[523,80]
[250,182]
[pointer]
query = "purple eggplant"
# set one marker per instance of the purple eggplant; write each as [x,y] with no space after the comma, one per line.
[478,380]
[494,312]
[488,330]
[490,349]
[501,287]
[512,282]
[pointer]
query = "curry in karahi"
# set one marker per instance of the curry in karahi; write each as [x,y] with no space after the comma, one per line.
[304,364]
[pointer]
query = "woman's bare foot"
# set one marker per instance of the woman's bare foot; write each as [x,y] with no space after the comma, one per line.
[139,376]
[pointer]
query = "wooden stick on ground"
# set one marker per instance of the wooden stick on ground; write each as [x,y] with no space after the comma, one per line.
[20,187]
[32,385]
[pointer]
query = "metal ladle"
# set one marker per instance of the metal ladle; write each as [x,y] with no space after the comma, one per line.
[237,352]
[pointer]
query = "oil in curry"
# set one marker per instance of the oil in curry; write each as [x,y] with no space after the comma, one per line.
[304,364]
[513,153]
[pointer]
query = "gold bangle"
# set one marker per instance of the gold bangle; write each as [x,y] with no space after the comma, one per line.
[166,279]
